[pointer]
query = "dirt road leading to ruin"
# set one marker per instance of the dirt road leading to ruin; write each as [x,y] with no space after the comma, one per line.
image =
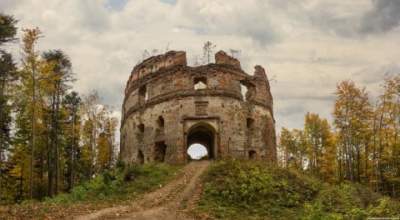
[171,202]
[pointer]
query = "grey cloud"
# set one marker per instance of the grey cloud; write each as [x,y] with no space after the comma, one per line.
[105,43]
[93,17]
[333,23]
[112,94]
[384,16]
[374,75]
[8,4]
[251,20]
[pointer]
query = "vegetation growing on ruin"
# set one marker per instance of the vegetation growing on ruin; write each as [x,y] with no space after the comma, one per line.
[251,190]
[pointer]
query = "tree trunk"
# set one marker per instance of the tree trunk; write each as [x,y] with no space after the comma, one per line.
[72,153]
[33,119]
[2,138]
[57,156]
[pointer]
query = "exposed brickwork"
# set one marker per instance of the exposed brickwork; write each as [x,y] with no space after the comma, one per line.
[169,105]
[222,58]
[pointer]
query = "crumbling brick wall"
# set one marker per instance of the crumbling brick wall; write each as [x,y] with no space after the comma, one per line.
[169,105]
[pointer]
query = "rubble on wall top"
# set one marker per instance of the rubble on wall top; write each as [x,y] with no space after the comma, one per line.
[221,57]
[178,58]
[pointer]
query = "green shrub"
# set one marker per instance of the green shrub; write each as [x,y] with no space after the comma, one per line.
[339,199]
[386,208]
[251,187]
[251,190]
[118,183]
[78,193]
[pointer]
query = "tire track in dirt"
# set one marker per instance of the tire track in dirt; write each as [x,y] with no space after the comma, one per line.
[167,203]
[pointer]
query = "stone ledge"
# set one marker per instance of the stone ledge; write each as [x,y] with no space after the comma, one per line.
[206,69]
[191,93]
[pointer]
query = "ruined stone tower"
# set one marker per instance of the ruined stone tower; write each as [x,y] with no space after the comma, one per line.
[168,106]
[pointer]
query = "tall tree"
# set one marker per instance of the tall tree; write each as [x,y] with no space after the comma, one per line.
[352,118]
[91,112]
[7,77]
[295,146]
[105,142]
[321,149]
[55,83]
[8,29]
[31,65]
[208,48]
[72,103]
[386,138]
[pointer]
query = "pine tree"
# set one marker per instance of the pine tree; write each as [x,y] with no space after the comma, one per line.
[71,104]
[7,77]
[55,85]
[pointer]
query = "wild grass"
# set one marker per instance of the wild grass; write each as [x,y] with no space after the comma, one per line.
[236,189]
[112,187]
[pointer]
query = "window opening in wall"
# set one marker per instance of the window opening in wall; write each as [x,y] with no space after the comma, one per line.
[244,90]
[252,154]
[160,122]
[200,83]
[140,157]
[159,151]
[141,127]
[250,123]
[143,94]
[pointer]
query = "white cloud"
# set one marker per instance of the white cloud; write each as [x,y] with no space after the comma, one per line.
[307,46]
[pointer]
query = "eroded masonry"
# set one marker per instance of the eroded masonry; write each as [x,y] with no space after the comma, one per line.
[168,106]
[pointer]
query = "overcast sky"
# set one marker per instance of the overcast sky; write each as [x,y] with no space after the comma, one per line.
[306,46]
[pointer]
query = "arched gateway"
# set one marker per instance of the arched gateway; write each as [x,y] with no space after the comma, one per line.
[169,106]
[204,134]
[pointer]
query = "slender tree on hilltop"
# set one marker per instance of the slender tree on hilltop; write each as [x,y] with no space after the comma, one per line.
[30,69]
[352,118]
[208,49]
[8,75]
[56,83]
[72,103]
[321,147]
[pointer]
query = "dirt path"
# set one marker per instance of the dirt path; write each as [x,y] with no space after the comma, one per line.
[170,202]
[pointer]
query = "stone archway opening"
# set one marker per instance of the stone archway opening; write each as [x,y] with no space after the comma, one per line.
[201,138]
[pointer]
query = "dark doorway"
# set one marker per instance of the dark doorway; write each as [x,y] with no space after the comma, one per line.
[252,154]
[202,134]
[160,149]
[140,157]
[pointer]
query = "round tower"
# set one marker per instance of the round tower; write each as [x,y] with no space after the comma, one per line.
[168,106]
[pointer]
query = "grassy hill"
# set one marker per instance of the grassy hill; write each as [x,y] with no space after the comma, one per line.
[111,188]
[232,189]
[251,190]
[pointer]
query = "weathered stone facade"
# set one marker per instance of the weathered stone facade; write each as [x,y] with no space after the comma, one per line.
[168,106]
